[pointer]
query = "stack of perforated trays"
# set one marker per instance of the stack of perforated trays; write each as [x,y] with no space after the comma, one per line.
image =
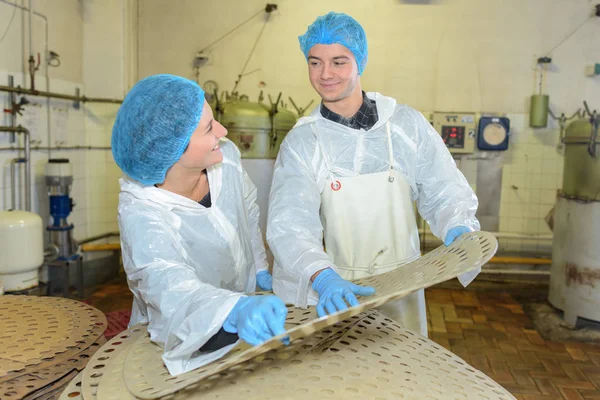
[355,354]
[44,343]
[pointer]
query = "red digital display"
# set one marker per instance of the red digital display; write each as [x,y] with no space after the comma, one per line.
[454,136]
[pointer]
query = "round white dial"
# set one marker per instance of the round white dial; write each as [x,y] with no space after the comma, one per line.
[494,134]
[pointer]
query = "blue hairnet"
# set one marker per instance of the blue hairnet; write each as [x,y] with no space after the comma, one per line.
[154,125]
[337,28]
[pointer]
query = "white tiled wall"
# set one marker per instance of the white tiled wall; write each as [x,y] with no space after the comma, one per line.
[531,175]
[102,173]
[95,187]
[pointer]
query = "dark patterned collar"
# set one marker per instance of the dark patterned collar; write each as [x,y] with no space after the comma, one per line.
[365,118]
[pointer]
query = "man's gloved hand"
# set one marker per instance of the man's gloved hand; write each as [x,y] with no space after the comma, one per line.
[454,233]
[333,290]
[264,280]
[257,319]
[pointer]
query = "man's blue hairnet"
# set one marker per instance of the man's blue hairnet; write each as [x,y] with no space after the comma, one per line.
[154,126]
[337,28]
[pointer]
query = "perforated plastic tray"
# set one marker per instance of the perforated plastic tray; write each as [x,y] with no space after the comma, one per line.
[365,356]
[35,380]
[73,389]
[34,330]
[147,378]
[96,368]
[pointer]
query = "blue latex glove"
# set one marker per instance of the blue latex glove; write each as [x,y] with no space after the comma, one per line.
[264,280]
[333,290]
[454,233]
[257,319]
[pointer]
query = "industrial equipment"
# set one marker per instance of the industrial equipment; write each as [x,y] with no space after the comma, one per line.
[21,249]
[538,110]
[59,178]
[493,133]
[457,131]
[248,125]
[575,271]
[258,131]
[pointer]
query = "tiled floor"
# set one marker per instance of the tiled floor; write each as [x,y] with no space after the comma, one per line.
[492,333]
[490,330]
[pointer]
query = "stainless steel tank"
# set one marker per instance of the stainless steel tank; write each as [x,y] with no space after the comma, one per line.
[249,126]
[575,271]
[581,177]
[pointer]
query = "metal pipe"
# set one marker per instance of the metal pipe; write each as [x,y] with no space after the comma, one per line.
[98,237]
[27,139]
[31,61]
[87,248]
[13,182]
[520,260]
[37,14]
[514,272]
[19,90]
[499,235]
[14,148]
[11,102]
[46,61]
[13,189]
[30,31]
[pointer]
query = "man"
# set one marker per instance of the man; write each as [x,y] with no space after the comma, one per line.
[348,175]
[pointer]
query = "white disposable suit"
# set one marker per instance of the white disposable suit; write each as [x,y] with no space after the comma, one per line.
[188,265]
[342,198]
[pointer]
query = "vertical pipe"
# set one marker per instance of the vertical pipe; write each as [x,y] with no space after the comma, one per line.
[11,101]
[30,30]
[27,140]
[31,58]
[13,186]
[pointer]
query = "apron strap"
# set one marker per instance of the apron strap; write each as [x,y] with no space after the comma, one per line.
[390,150]
[335,184]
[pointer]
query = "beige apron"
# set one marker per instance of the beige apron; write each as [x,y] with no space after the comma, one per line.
[370,228]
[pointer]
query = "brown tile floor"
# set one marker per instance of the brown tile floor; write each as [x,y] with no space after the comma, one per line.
[491,332]
[488,328]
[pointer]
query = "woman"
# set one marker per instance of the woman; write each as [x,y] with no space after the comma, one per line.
[189,227]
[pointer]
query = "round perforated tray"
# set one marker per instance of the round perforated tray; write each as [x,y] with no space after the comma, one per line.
[112,383]
[73,389]
[96,368]
[39,329]
[365,356]
[147,378]
[52,389]
[38,377]
[76,356]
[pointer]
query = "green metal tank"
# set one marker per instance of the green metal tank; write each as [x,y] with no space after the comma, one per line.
[283,121]
[581,176]
[249,126]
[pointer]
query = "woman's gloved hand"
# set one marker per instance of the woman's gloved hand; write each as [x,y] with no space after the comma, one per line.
[454,233]
[333,290]
[257,319]
[264,280]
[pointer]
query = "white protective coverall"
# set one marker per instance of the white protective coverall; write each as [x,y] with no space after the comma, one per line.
[188,265]
[318,155]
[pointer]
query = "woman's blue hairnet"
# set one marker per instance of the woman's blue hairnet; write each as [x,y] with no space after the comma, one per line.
[154,125]
[337,28]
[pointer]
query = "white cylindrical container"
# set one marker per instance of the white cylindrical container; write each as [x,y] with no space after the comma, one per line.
[58,169]
[21,249]
[575,271]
